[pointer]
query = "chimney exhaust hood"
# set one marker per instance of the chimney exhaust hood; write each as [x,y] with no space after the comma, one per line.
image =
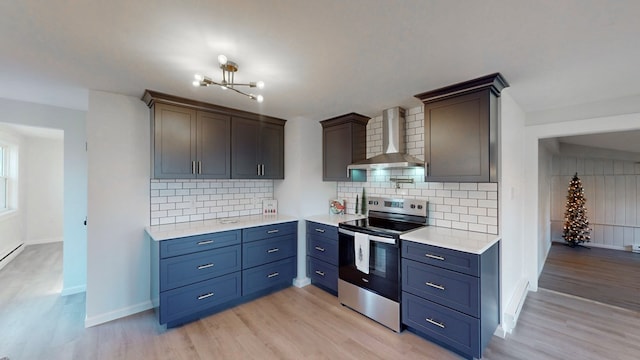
[393,145]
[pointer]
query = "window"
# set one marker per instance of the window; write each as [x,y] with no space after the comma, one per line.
[4,178]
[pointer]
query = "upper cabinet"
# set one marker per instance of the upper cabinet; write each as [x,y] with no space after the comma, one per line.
[257,149]
[461,130]
[344,141]
[190,139]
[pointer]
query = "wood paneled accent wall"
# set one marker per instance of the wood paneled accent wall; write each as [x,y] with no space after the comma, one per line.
[612,189]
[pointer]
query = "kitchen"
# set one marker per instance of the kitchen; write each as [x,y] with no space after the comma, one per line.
[117,129]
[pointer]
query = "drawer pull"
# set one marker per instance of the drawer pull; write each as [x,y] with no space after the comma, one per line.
[273,274]
[273,250]
[202,297]
[206,242]
[365,280]
[273,231]
[439,287]
[441,258]
[319,272]
[320,230]
[205,266]
[436,323]
[319,248]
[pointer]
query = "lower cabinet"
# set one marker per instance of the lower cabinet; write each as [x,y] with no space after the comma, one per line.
[459,308]
[322,256]
[196,276]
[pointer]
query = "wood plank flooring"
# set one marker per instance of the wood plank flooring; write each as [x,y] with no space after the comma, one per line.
[307,323]
[608,276]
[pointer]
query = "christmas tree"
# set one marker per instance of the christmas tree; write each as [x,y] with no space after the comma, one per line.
[576,224]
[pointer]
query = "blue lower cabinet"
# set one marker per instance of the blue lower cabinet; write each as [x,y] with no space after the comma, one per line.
[442,324]
[183,270]
[323,274]
[268,250]
[184,301]
[272,275]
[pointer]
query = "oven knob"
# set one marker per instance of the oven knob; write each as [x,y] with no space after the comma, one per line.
[420,207]
[413,206]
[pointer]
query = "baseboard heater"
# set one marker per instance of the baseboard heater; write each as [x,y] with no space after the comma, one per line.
[512,312]
[7,257]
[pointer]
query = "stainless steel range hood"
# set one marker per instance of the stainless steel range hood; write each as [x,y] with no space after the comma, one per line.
[393,145]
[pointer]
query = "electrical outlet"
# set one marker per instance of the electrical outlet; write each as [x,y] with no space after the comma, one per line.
[635,248]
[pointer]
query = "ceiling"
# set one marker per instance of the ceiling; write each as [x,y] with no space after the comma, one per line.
[320,59]
[628,141]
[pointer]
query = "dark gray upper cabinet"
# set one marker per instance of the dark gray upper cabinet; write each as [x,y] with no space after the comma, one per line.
[344,141]
[461,130]
[257,149]
[191,139]
[189,143]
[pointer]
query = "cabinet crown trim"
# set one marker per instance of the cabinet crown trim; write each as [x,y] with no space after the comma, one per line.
[346,118]
[494,82]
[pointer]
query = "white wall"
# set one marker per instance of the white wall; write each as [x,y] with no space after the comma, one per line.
[552,124]
[72,122]
[44,191]
[545,153]
[118,134]
[302,192]
[512,119]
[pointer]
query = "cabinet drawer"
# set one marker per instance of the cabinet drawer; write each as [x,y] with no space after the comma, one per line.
[463,262]
[268,250]
[445,287]
[322,273]
[441,323]
[322,248]
[191,299]
[270,275]
[187,269]
[191,244]
[322,230]
[267,231]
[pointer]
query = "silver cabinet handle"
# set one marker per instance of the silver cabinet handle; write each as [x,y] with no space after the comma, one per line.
[320,230]
[258,169]
[273,274]
[199,167]
[202,297]
[365,280]
[272,231]
[319,272]
[319,248]
[439,287]
[436,323]
[262,166]
[193,167]
[206,242]
[441,258]
[273,250]
[205,266]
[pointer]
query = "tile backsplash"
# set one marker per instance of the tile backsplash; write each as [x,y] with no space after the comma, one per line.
[176,201]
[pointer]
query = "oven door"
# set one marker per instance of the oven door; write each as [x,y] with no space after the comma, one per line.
[384,271]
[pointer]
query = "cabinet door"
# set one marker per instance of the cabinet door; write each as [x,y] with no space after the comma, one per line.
[337,152]
[272,151]
[457,138]
[213,146]
[174,150]
[245,136]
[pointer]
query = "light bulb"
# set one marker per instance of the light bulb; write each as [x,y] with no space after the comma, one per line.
[260,98]
[198,77]
[196,83]
[222,59]
[223,87]
[260,84]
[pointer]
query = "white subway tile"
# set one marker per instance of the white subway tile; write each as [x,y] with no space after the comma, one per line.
[459,225]
[155,193]
[196,217]
[181,219]
[469,218]
[443,223]
[452,217]
[469,186]
[443,193]
[158,185]
[167,193]
[488,203]
[452,186]
[177,212]
[477,194]
[487,220]
[167,206]
[492,212]
[182,192]
[478,228]
[176,185]
[155,222]
[460,194]
[469,202]
[478,211]
[492,195]
[492,229]
[175,199]
[460,209]
[159,200]
[451,201]
[488,186]
[158,214]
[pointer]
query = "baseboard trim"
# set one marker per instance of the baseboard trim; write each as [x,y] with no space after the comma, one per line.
[596,245]
[44,241]
[512,312]
[500,332]
[73,290]
[301,282]
[11,255]
[117,314]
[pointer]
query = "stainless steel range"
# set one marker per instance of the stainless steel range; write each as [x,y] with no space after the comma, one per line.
[369,273]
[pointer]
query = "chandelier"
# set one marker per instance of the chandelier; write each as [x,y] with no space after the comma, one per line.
[229,68]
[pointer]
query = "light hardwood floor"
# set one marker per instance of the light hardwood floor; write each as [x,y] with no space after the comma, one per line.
[307,323]
[608,276]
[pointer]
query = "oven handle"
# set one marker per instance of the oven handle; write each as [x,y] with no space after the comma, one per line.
[371,237]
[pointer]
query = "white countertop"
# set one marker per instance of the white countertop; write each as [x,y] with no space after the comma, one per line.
[332,219]
[461,240]
[172,231]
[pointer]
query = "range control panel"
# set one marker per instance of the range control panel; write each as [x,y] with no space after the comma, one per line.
[399,206]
